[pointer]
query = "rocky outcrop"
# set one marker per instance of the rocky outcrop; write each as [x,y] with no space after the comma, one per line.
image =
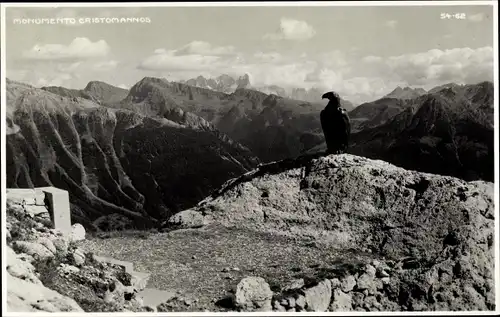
[390,286]
[26,296]
[439,229]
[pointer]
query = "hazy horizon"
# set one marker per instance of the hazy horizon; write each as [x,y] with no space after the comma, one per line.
[368,51]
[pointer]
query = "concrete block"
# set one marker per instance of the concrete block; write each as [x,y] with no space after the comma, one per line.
[59,208]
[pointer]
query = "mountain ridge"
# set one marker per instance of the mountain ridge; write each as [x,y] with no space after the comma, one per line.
[110,159]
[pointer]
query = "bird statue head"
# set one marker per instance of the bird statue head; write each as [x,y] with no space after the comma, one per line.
[332,96]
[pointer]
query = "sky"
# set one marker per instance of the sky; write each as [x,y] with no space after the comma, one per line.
[361,52]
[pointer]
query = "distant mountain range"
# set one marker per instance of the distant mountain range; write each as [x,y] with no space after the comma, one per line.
[448,131]
[227,84]
[162,146]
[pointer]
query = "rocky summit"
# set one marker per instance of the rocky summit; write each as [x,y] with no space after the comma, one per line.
[314,233]
[435,233]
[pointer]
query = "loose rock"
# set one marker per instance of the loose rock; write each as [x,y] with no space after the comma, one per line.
[318,297]
[77,232]
[36,250]
[300,302]
[253,294]
[348,283]
[186,219]
[78,257]
[341,301]
[294,284]
[46,242]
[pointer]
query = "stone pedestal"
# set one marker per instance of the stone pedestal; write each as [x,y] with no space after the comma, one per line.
[59,208]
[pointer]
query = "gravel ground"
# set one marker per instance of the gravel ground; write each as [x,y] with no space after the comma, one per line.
[207,263]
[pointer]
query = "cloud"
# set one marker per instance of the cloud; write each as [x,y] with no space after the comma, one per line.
[168,61]
[434,67]
[123,86]
[204,48]
[80,48]
[372,59]
[271,57]
[391,23]
[160,51]
[66,73]
[105,66]
[58,79]
[459,65]
[68,67]
[196,55]
[477,17]
[293,30]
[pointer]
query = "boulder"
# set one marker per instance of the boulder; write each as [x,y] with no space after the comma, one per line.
[116,293]
[347,283]
[61,244]
[37,250]
[294,284]
[23,296]
[318,297]
[19,268]
[186,219]
[78,257]
[48,243]
[341,301]
[253,294]
[300,302]
[77,232]
[66,269]
[367,279]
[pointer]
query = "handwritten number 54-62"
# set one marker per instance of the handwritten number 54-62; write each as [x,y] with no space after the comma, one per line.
[458,16]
